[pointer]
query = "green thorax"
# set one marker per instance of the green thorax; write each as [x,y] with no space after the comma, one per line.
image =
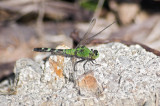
[83,52]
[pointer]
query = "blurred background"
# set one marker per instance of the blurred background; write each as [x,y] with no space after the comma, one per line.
[26,24]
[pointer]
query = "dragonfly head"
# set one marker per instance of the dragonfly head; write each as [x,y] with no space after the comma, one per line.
[95,54]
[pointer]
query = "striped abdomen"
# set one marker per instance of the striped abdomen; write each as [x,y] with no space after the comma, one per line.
[64,52]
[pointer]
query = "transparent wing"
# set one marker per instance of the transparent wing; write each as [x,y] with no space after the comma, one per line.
[91,25]
[91,38]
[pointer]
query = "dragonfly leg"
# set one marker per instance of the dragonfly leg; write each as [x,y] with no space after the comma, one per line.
[77,63]
[84,64]
[94,63]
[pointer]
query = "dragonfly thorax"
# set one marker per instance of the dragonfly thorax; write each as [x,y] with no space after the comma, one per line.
[85,53]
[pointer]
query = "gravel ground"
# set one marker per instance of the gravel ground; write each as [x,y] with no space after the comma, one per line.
[122,75]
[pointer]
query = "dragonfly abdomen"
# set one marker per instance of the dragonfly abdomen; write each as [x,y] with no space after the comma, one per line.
[70,52]
[64,52]
[44,49]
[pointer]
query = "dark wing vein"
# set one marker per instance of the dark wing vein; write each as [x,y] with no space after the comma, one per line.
[91,38]
[92,23]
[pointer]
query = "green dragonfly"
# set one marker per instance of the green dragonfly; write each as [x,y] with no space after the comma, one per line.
[81,51]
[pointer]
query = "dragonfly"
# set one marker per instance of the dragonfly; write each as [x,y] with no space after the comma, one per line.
[81,51]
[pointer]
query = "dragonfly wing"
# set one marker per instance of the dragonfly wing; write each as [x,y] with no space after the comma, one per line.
[90,39]
[92,23]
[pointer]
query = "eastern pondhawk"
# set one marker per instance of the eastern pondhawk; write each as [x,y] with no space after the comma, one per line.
[81,51]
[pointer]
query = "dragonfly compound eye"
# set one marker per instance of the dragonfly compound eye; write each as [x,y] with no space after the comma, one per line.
[95,52]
